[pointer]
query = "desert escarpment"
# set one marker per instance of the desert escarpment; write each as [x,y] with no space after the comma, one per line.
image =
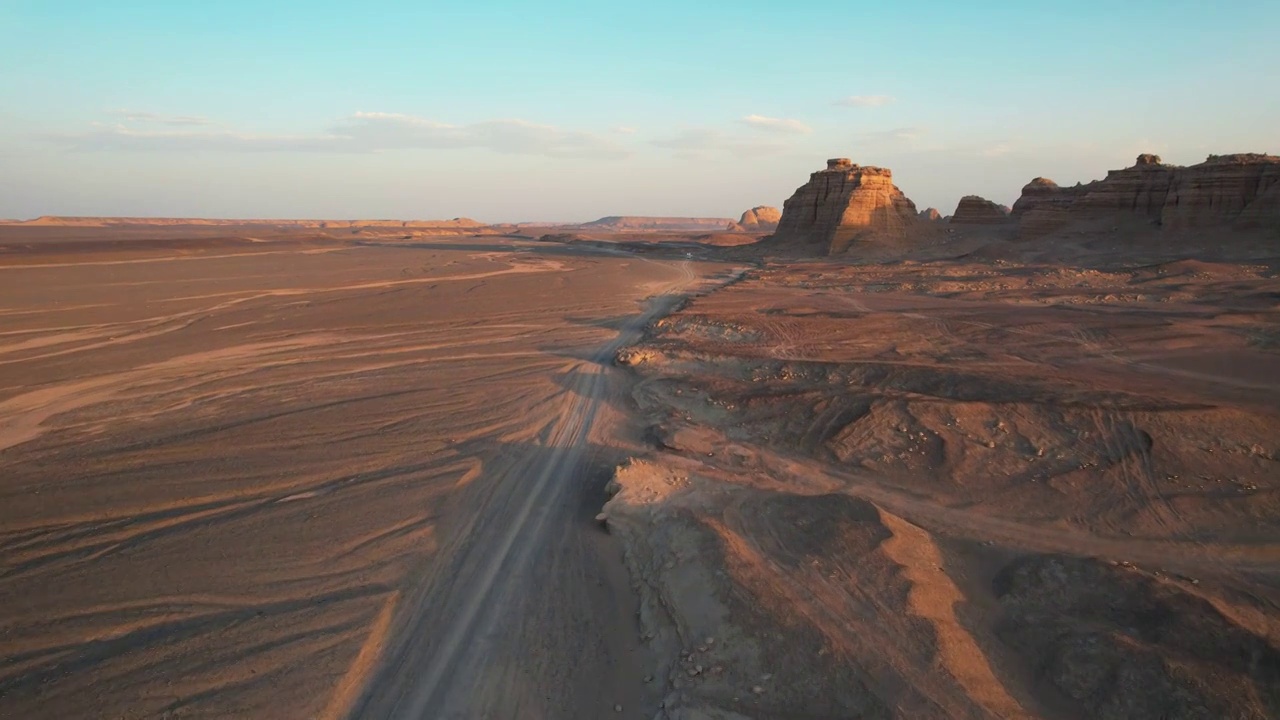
[843,204]
[1239,191]
[86,221]
[640,222]
[975,210]
[1243,190]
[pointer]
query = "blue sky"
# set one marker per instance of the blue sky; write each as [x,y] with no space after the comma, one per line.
[507,111]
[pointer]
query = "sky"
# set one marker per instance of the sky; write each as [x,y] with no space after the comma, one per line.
[512,111]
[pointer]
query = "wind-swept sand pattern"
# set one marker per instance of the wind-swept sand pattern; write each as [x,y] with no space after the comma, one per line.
[255,483]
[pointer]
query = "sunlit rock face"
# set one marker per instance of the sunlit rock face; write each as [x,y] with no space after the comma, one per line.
[843,204]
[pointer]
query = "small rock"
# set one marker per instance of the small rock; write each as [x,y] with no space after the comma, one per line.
[617,708]
[757,690]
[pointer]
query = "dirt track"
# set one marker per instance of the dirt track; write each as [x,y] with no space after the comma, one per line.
[510,600]
[309,479]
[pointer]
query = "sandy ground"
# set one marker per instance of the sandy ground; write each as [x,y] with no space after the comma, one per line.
[311,475]
[963,490]
[302,478]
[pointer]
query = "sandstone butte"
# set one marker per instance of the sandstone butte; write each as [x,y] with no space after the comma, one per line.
[1238,191]
[975,210]
[843,204]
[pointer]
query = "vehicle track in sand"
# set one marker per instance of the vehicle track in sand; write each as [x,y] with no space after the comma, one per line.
[464,649]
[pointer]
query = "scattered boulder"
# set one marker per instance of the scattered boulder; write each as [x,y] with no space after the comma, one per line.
[843,204]
[974,210]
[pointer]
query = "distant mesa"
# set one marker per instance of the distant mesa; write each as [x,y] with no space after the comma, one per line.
[844,204]
[1239,191]
[975,210]
[85,221]
[671,224]
[931,215]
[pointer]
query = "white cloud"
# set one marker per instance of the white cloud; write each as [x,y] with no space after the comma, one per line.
[866,101]
[150,117]
[997,150]
[780,125]
[363,132]
[699,142]
[625,130]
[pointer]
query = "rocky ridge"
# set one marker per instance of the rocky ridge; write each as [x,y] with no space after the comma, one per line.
[1240,191]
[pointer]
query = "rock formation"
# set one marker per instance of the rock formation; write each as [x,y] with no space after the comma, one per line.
[1241,191]
[974,210]
[930,215]
[761,217]
[842,204]
[1041,194]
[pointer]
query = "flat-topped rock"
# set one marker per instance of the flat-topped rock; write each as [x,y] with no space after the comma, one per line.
[643,222]
[1242,190]
[843,204]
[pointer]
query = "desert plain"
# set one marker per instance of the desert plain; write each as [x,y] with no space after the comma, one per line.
[940,470]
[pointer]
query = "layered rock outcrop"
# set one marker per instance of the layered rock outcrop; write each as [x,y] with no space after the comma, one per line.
[931,215]
[1237,191]
[761,217]
[843,204]
[1044,194]
[974,210]
[1243,190]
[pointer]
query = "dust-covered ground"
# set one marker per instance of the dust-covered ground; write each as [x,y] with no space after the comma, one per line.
[963,489]
[305,474]
[315,476]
